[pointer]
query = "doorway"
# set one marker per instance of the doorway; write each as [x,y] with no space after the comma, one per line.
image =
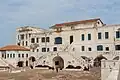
[71,39]
[58,62]
[26,63]
[20,63]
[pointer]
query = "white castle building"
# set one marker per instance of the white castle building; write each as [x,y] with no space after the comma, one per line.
[77,43]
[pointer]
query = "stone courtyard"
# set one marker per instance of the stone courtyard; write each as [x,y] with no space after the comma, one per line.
[45,74]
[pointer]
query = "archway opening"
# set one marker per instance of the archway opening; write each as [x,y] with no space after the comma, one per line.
[97,60]
[58,62]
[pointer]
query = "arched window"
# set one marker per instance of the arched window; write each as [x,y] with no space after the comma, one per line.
[99,48]
[58,40]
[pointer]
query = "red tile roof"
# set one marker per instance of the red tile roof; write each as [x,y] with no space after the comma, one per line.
[76,22]
[14,48]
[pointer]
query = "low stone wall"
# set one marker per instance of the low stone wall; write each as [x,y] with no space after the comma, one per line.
[108,66]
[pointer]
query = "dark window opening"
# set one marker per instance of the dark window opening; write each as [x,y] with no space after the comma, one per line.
[71,39]
[82,37]
[48,50]
[43,39]
[56,62]
[83,48]
[32,40]
[10,55]
[107,48]
[22,36]
[7,55]
[37,50]
[99,48]
[19,55]
[106,35]
[18,43]
[26,43]
[99,35]
[55,49]
[89,36]
[22,55]
[89,49]
[18,37]
[2,55]
[117,34]
[37,40]
[58,40]
[47,39]
[117,47]
[23,43]
[26,55]
[29,35]
[13,55]
[43,49]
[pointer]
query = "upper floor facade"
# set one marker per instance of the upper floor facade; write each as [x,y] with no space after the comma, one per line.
[84,36]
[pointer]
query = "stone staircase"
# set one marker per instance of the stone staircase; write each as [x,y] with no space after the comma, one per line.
[66,50]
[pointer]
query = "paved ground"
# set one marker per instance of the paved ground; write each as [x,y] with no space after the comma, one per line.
[38,74]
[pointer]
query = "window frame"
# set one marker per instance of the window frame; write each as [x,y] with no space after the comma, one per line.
[99,35]
[99,47]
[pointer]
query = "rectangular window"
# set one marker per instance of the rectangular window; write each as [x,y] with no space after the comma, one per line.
[71,39]
[117,47]
[89,36]
[107,48]
[22,55]
[82,37]
[99,48]
[55,49]
[48,50]
[47,39]
[43,39]
[117,34]
[23,43]
[29,35]
[83,48]
[106,35]
[7,55]
[26,43]
[37,40]
[32,40]
[43,49]
[26,55]
[10,55]
[22,36]
[13,55]
[99,35]
[37,50]
[19,55]
[89,49]
[2,55]
[18,37]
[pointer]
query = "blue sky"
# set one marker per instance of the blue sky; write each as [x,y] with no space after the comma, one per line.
[44,13]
